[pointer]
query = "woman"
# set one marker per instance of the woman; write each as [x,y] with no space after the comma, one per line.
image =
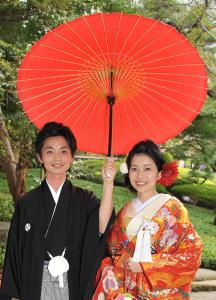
[154,249]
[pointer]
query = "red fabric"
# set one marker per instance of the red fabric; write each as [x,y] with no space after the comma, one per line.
[159,80]
[176,253]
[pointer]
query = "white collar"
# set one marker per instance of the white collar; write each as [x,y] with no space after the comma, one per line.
[138,205]
[54,193]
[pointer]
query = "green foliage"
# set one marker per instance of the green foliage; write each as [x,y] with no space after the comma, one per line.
[167,156]
[204,194]
[9,58]
[2,255]
[6,207]
[79,170]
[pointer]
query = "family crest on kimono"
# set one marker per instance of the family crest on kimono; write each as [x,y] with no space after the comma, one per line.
[154,251]
[57,235]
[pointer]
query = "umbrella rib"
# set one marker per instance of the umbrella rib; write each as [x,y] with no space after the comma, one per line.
[98,79]
[117,33]
[145,33]
[46,69]
[52,99]
[129,121]
[122,80]
[94,37]
[128,37]
[59,60]
[44,113]
[165,106]
[95,60]
[87,120]
[147,45]
[75,46]
[163,58]
[46,85]
[71,104]
[154,110]
[65,52]
[175,81]
[137,118]
[105,34]
[177,74]
[173,100]
[158,50]
[42,78]
[179,65]
[87,45]
[98,76]
[170,89]
[46,93]
[100,108]
[86,106]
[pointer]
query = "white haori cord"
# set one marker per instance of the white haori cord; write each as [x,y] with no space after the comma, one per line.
[58,265]
[142,252]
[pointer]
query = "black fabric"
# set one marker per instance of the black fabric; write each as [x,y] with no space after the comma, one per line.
[77,217]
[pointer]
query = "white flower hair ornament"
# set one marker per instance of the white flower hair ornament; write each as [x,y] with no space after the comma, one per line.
[123,168]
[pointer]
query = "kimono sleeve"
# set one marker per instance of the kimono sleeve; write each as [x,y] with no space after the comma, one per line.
[11,279]
[94,246]
[177,262]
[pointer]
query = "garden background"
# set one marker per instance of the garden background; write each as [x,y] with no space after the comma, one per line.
[22,22]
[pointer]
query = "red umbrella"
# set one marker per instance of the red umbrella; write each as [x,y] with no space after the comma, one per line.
[138,71]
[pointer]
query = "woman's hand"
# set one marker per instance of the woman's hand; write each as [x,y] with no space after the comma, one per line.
[133,266]
[109,170]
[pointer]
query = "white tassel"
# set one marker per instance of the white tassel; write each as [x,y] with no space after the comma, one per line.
[138,247]
[142,251]
[61,281]
[146,247]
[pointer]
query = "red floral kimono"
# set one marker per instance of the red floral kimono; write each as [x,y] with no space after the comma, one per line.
[176,255]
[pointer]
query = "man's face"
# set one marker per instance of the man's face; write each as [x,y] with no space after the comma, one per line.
[56,156]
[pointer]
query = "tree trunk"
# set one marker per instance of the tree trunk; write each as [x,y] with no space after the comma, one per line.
[15,173]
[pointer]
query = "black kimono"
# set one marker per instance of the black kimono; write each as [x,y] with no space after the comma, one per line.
[75,226]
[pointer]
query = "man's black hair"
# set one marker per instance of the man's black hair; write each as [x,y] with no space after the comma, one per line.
[55,129]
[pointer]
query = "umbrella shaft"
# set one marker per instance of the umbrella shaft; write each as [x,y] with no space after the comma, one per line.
[110,131]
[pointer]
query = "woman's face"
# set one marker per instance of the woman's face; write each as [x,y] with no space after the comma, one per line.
[143,174]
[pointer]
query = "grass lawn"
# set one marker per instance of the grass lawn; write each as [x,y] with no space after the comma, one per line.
[202,218]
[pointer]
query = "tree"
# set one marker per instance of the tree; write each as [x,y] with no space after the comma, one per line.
[19,23]
[196,20]
[23,22]
[15,144]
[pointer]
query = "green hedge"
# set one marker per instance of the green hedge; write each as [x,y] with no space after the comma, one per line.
[2,255]
[202,219]
[204,194]
[6,206]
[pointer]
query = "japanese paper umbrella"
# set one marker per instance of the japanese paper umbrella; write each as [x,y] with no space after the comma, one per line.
[114,79]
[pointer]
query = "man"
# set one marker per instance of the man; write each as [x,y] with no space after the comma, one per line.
[57,235]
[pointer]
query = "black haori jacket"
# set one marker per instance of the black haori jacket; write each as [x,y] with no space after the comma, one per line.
[75,226]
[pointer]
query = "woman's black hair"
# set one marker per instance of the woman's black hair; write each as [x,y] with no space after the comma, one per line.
[146,147]
[55,129]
